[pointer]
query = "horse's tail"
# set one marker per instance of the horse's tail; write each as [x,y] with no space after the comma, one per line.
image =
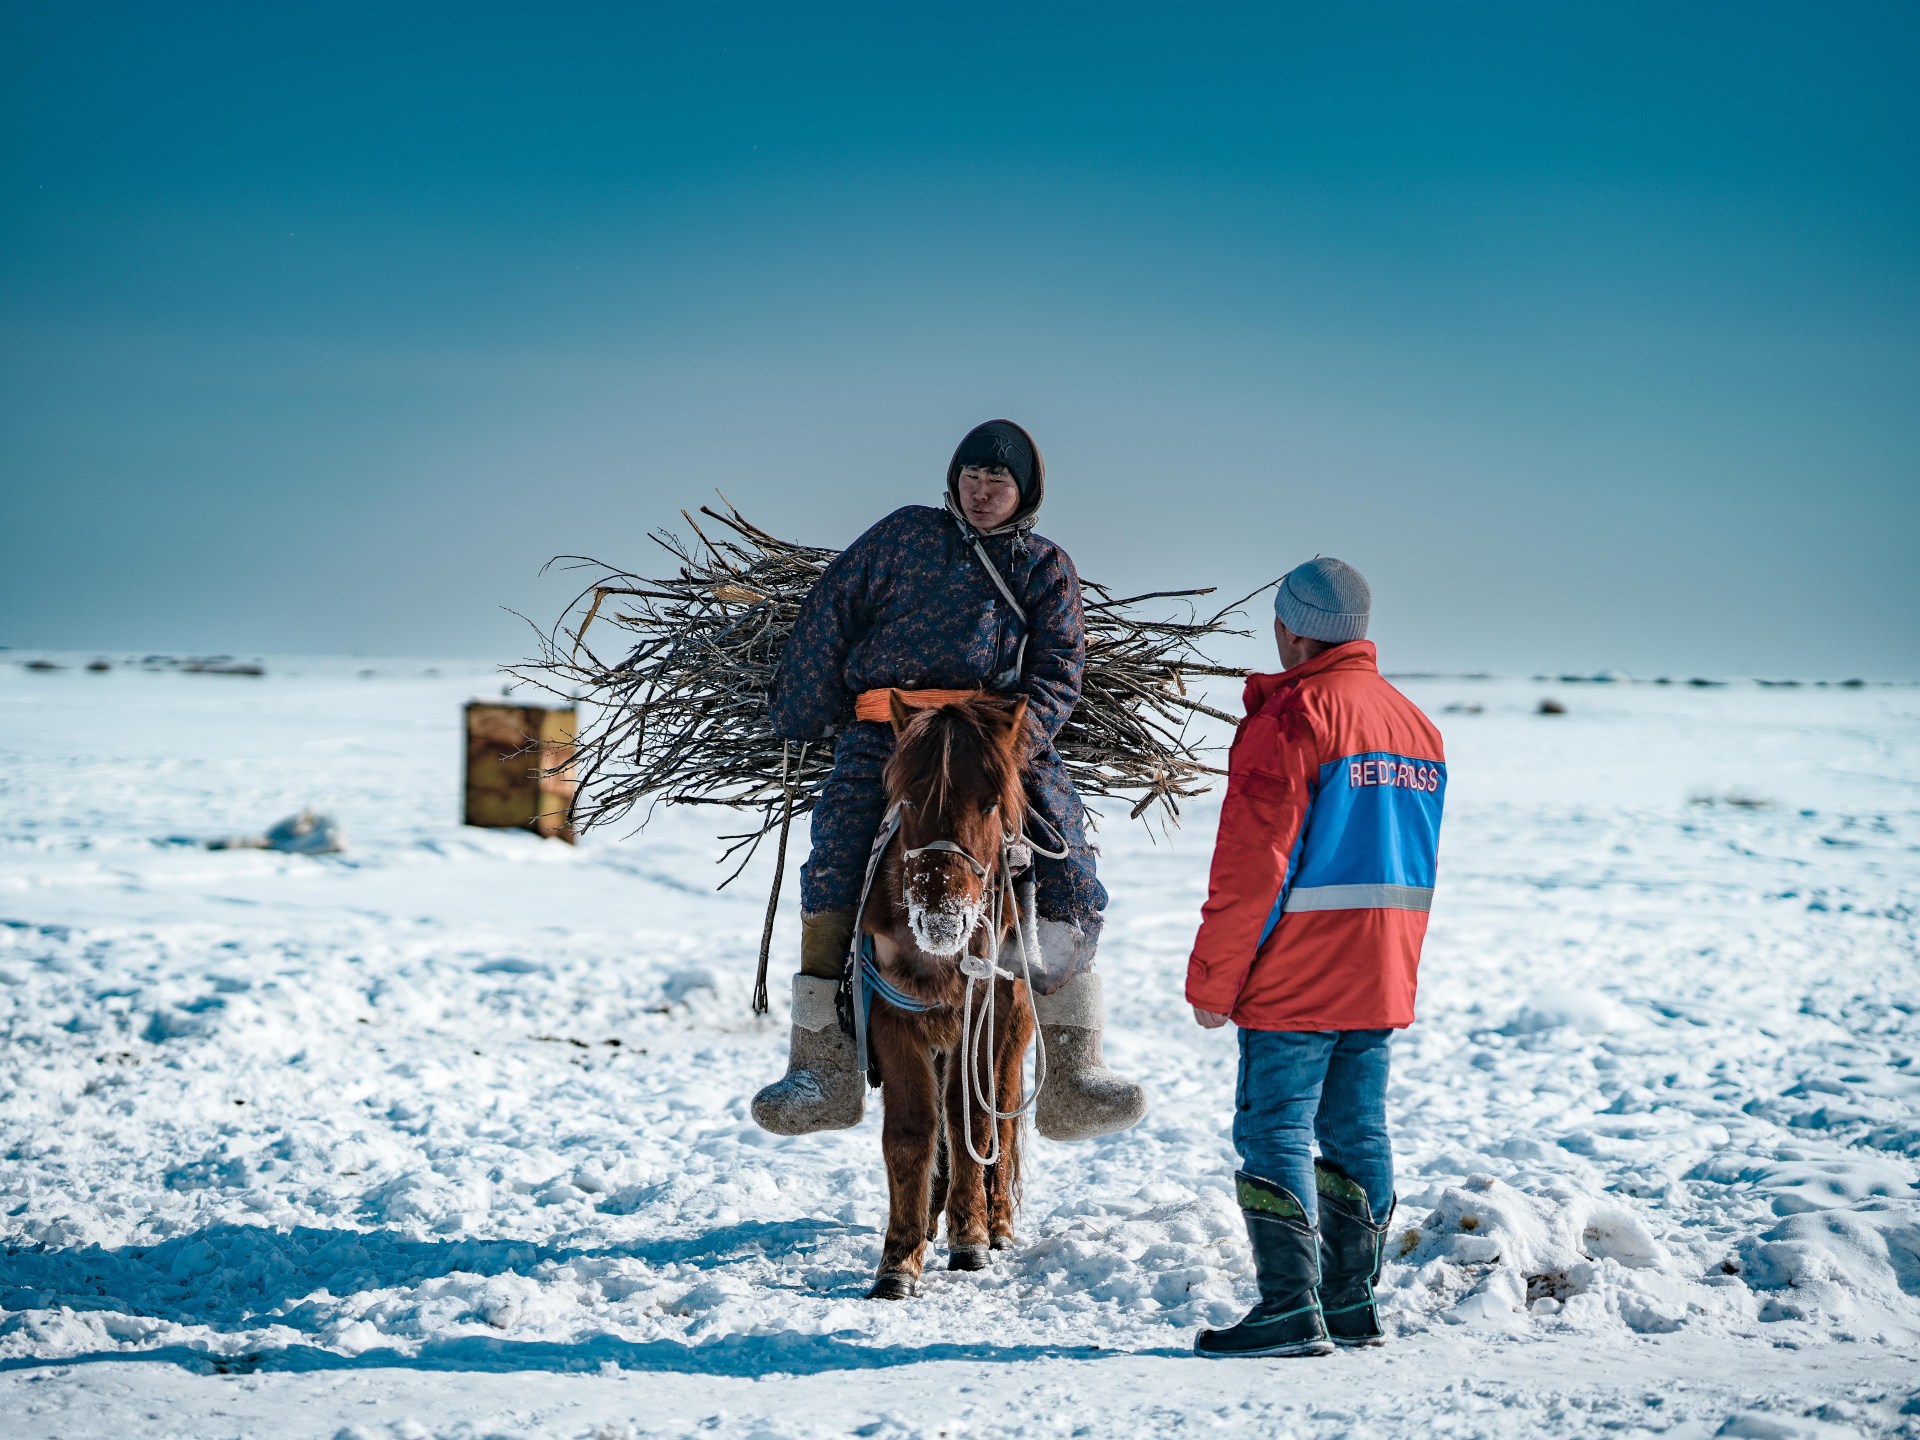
[942,1172]
[1010,1160]
[1020,1023]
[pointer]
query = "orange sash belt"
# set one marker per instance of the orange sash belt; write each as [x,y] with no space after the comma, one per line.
[873,704]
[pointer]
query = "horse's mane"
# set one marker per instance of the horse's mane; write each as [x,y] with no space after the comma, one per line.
[944,748]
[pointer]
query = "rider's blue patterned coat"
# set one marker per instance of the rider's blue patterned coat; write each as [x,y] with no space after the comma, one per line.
[909,605]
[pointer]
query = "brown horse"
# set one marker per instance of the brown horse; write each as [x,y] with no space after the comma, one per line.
[942,894]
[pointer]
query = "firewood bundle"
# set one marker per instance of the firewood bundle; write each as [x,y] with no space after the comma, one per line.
[674,685]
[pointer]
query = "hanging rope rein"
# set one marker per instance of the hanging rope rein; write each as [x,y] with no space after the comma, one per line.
[978,1075]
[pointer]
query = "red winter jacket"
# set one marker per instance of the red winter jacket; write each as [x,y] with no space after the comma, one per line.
[1324,867]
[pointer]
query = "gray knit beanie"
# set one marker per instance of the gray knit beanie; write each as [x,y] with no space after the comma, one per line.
[1324,599]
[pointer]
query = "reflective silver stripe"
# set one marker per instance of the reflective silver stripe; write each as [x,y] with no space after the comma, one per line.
[1359,897]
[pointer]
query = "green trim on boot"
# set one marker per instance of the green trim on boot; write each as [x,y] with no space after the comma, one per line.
[1253,1193]
[1331,1182]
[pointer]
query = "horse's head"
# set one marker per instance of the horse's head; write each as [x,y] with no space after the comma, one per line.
[956,775]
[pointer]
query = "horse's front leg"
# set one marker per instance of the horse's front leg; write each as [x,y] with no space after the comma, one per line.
[967,1236]
[907,1134]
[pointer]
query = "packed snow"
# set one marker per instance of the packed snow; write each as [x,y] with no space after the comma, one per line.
[446,1133]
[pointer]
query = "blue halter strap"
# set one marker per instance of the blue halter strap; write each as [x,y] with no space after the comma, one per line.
[873,983]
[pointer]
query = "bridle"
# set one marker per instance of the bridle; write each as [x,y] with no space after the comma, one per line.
[949,847]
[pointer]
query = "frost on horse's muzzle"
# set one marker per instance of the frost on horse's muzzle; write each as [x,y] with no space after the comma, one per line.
[943,929]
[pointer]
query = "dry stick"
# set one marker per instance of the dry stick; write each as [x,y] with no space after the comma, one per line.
[773,896]
[681,718]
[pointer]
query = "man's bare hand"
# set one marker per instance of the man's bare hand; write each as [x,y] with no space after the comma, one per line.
[1207,1020]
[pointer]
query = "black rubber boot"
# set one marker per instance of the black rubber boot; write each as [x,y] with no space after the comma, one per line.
[1351,1249]
[1286,1257]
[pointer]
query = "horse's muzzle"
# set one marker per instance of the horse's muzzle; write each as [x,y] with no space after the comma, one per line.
[942,932]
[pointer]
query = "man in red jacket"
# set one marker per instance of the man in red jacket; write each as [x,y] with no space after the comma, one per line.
[1310,942]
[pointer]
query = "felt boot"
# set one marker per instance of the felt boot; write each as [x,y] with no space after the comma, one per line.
[1080,1097]
[1286,1257]
[822,1089]
[1351,1249]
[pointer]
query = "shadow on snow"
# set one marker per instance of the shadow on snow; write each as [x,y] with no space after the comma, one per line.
[741,1355]
[242,1276]
[239,1277]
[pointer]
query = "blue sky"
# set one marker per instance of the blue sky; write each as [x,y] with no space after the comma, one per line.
[1587,331]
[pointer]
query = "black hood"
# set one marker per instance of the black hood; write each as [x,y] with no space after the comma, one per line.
[1001,442]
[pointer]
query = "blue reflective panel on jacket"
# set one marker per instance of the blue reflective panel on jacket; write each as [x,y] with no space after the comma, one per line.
[1374,821]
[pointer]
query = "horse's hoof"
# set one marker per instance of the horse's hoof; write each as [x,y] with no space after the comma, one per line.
[967,1257]
[892,1285]
[1004,1242]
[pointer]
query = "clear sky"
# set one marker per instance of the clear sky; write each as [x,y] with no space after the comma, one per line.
[1587,331]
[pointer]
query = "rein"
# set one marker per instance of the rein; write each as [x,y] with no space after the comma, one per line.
[1016,854]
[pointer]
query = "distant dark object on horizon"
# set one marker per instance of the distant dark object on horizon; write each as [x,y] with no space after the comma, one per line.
[1738,799]
[99,667]
[1464,707]
[202,665]
[1551,706]
[1698,682]
[39,665]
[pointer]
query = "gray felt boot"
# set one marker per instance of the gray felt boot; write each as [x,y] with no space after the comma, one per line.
[1080,1097]
[821,1089]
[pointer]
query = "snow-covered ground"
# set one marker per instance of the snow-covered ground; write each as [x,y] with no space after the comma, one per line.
[448,1135]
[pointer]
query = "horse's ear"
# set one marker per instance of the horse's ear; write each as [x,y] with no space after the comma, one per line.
[898,712]
[1018,720]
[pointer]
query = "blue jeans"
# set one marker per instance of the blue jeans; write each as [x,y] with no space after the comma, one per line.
[1298,1086]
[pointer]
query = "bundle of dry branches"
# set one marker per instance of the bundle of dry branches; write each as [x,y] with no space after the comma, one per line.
[681,716]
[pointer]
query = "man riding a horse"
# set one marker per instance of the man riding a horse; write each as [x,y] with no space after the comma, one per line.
[926,606]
